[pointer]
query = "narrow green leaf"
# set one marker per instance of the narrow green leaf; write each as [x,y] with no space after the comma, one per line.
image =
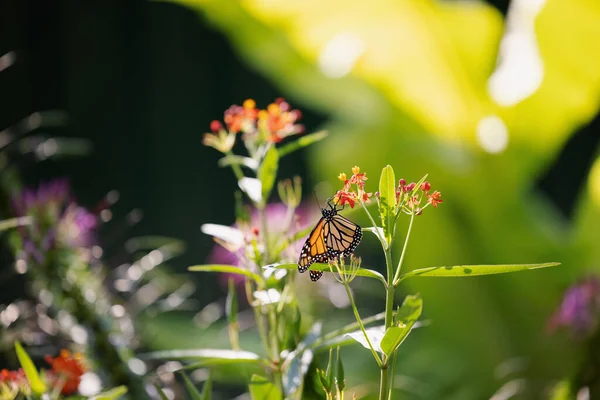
[162,394]
[323,379]
[472,270]
[387,201]
[191,388]
[267,173]
[329,371]
[339,371]
[367,273]
[14,222]
[229,269]
[207,388]
[111,394]
[302,141]
[224,355]
[262,389]
[406,317]
[37,385]
[238,160]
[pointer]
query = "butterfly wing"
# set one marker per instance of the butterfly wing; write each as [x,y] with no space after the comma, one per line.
[342,236]
[314,249]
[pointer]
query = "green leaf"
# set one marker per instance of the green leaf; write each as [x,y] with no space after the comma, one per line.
[327,339]
[162,394]
[228,269]
[262,389]
[406,317]
[367,273]
[329,372]
[339,371]
[14,222]
[238,160]
[207,356]
[387,201]
[111,394]
[297,362]
[472,270]
[37,385]
[301,142]
[374,333]
[267,173]
[191,388]
[207,388]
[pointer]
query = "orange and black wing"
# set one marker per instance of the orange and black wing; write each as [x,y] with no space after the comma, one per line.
[314,250]
[341,236]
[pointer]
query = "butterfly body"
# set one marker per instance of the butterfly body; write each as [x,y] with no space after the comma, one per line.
[332,237]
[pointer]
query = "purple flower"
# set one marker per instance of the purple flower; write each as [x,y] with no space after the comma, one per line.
[57,219]
[279,224]
[579,309]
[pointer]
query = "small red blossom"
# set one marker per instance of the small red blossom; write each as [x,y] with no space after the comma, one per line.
[216,126]
[343,197]
[68,368]
[412,202]
[425,186]
[410,187]
[435,198]
[365,197]
[7,376]
[255,231]
[401,183]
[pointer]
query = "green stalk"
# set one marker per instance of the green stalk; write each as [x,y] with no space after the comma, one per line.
[392,373]
[274,341]
[397,275]
[362,327]
[383,384]
[236,168]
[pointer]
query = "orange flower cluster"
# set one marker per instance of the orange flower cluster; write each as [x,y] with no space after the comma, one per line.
[272,124]
[68,368]
[349,196]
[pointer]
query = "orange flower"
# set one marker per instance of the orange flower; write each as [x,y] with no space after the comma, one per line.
[66,368]
[435,198]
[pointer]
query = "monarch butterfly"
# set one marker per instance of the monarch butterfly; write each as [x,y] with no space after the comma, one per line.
[332,237]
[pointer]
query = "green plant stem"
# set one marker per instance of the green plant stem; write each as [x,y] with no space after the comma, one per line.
[274,342]
[383,384]
[362,327]
[262,215]
[397,275]
[392,373]
[236,168]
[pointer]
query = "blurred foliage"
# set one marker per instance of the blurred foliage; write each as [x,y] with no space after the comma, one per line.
[425,86]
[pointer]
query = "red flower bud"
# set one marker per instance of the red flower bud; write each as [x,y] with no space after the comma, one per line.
[425,186]
[402,182]
[215,126]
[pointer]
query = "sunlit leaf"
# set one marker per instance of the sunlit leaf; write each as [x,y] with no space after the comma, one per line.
[367,273]
[262,389]
[379,233]
[375,335]
[253,188]
[219,356]
[268,172]
[301,142]
[387,201]
[473,270]
[228,269]
[111,394]
[406,317]
[225,233]
[37,385]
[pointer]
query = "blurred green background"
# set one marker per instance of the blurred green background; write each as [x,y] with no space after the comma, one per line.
[496,100]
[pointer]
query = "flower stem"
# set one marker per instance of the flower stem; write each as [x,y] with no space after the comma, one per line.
[236,168]
[362,327]
[383,384]
[397,275]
